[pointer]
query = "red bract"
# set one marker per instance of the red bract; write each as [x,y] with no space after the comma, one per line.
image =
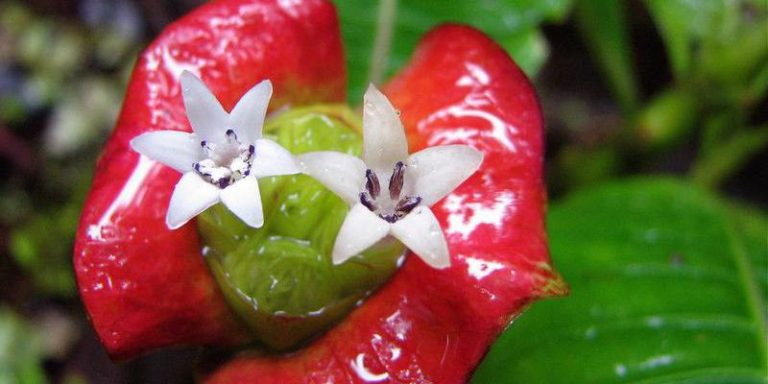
[431,325]
[145,286]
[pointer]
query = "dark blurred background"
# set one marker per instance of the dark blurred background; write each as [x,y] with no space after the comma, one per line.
[63,70]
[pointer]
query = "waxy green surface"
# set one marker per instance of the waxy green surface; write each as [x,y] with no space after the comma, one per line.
[280,278]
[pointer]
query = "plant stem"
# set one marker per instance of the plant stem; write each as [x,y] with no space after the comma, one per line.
[608,40]
[385,26]
[710,170]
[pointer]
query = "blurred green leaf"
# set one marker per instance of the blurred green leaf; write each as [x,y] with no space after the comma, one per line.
[752,225]
[21,351]
[42,246]
[686,24]
[578,166]
[14,18]
[529,49]
[512,23]
[604,27]
[722,42]
[732,70]
[11,109]
[666,120]
[15,204]
[664,289]
[758,86]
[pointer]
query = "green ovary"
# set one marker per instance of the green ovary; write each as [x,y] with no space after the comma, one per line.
[280,278]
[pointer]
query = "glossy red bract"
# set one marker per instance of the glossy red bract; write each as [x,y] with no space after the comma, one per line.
[143,285]
[430,325]
[424,325]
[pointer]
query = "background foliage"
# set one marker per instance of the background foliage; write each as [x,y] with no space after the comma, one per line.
[657,128]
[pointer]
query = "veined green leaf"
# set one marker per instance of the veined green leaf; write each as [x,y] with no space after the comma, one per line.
[512,23]
[752,225]
[665,288]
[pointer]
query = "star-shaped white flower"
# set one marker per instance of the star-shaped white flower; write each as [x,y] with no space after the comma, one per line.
[223,158]
[413,183]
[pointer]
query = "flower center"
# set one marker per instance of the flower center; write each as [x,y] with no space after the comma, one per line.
[393,207]
[226,162]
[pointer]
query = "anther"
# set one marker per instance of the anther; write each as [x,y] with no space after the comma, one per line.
[407,204]
[227,163]
[396,180]
[372,184]
[231,136]
[390,217]
[367,201]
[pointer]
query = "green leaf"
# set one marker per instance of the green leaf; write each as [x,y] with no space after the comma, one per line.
[664,289]
[42,247]
[512,23]
[714,41]
[604,27]
[21,351]
[666,120]
[685,24]
[752,226]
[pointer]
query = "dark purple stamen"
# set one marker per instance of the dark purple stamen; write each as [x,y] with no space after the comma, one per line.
[204,144]
[197,169]
[372,184]
[407,204]
[390,217]
[223,183]
[403,207]
[251,150]
[367,201]
[396,180]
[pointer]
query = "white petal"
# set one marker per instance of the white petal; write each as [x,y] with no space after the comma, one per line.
[205,113]
[244,200]
[436,171]
[384,141]
[247,118]
[421,233]
[272,160]
[178,150]
[341,173]
[361,229]
[191,196]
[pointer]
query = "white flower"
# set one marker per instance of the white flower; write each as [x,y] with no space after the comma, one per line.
[223,158]
[412,184]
